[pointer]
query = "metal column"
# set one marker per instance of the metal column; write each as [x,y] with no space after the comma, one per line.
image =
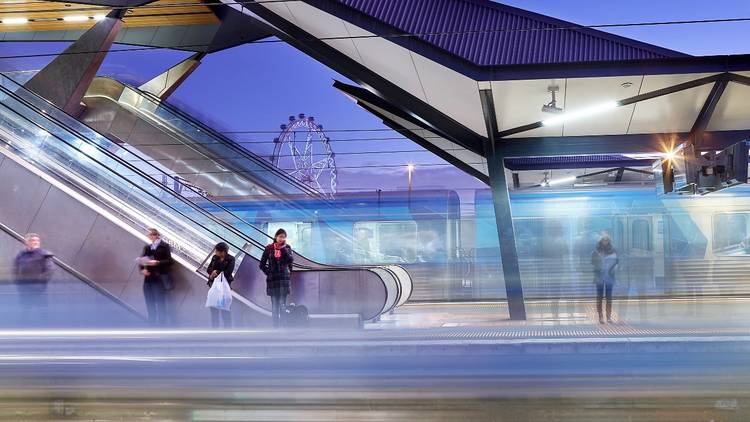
[503,215]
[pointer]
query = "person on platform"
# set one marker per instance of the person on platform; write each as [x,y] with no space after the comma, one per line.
[221,263]
[32,271]
[604,259]
[276,263]
[155,264]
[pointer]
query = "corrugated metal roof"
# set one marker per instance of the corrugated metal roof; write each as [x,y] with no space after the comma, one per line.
[488,33]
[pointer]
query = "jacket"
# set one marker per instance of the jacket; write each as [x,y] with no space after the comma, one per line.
[225,267]
[163,254]
[278,271]
[33,266]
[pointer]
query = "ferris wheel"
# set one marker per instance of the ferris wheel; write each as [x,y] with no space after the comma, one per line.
[314,164]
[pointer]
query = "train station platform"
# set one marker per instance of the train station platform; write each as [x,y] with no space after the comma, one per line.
[576,318]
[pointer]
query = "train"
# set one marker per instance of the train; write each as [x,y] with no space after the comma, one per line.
[669,245]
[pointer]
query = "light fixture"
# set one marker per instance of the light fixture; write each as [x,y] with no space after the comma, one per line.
[15,21]
[551,107]
[99,17]
[577,114]
[561,181]
[75,18]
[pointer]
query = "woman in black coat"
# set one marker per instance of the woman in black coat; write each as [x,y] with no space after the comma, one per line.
[276,264]
[221,263]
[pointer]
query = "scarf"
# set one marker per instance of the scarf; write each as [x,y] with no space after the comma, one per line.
[277,250]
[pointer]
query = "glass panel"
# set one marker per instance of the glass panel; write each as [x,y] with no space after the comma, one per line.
[730,233]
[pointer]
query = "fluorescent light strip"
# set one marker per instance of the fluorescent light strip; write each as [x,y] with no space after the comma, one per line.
[577,114]
[75,18]
[15,21]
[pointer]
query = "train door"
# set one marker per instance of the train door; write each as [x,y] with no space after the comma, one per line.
[634,238]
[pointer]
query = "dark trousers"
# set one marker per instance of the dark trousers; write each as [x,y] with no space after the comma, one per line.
[278,305]
[156,300]
[226,317]
[602,290]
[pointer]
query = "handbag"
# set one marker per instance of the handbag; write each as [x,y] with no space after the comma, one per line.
[219,296]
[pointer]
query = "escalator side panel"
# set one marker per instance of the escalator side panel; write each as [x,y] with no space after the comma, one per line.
[66,302]
[349,291]
[97,247]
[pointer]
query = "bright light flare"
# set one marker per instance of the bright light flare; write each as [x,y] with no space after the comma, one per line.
[578,114]
[99,17]
[75,18]
[15,21]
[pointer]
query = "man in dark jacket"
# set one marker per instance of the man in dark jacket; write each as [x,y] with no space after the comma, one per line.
[155,264]
[32,270]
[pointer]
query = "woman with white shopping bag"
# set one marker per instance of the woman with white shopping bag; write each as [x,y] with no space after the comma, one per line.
[220,277]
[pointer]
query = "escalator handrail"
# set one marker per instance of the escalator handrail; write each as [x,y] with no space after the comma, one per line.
[75,273]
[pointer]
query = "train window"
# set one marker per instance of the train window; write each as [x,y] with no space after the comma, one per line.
[730,231]
[385,242]
[640,236]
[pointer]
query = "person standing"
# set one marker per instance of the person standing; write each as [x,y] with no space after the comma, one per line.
[276,263]
[32,271]
[604,259]
[221,263]
[156,261]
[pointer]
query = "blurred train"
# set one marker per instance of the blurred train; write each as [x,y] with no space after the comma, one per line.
[668,245]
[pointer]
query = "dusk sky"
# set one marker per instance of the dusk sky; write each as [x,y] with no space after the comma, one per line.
[254,88]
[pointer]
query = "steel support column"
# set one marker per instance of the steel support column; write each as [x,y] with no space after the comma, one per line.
[65,79]
[503,214]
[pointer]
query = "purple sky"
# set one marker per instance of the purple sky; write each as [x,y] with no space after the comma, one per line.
[256,87]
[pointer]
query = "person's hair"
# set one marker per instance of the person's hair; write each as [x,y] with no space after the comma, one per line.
[154,232]
[278,232]
[605,246]
[29,236]
[221,247]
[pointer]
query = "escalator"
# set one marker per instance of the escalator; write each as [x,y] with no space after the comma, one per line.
[94,306]
[93,186]
[191,150]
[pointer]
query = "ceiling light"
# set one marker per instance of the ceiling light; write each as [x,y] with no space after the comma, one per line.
[75,18]
[561,181]
[15,21]
[99,17]
[584,112]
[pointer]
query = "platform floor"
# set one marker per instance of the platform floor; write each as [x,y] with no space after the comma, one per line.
[577,318]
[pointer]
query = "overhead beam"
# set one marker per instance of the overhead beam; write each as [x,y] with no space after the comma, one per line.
[614,144]
[707,111]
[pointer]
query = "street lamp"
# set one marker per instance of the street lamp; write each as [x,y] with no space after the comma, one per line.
[410,169]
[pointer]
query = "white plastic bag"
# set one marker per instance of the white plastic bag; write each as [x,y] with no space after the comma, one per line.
[219,295]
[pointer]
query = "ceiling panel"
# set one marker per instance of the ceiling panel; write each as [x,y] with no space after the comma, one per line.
[581,93]
[731,112]
[518,103]
[324,25]
[451,93]
[670,113]
[49,16]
